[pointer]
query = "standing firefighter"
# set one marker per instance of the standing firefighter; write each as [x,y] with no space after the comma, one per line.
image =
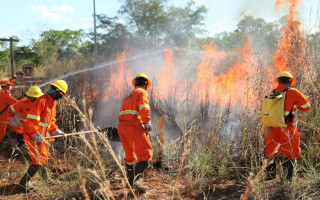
[134,128]
[41,120]
[6,99]
[23,107]
[284,135]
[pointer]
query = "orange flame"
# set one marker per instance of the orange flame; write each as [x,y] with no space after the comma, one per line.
[167,76]
[290,49]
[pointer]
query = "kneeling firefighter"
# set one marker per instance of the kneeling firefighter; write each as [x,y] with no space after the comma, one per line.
[282,134]
[41,120]
[134,128]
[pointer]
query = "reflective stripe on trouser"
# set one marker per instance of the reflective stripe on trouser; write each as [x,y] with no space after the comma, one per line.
[135,142]
[281,135]
[39,153]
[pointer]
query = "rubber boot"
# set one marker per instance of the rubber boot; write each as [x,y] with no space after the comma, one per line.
[129,169]
[20,140]
[138,170]
[32,170]
[271,171]
[288,167]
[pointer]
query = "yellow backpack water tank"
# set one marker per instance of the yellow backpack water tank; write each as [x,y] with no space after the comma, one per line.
[273,110]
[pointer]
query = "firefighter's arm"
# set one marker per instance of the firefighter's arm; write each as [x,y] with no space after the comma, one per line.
[10,100]
[144,108]
[33,118]
[12,114]
[53,125]
[302,102]
[12,110]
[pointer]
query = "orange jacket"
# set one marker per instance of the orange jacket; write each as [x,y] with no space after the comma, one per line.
[6,99]
[22,107]
[293,98]
[41,117]
[135,107]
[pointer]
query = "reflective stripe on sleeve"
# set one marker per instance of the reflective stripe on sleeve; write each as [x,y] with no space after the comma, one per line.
[12,108]
[44,124]
[144,106]
[133,112]
[33,117]
[288,112]
[305,105]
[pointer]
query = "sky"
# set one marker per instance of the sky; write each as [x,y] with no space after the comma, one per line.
[28,18]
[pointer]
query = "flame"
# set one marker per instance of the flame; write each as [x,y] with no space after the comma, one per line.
[120,77]
[225,88]
[167,76]
[289,54]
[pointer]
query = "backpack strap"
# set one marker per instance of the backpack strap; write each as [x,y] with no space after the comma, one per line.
[4,110]
[290,116]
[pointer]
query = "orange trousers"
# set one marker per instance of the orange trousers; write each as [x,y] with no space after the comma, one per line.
[291,148]
[135,142]
[39,153]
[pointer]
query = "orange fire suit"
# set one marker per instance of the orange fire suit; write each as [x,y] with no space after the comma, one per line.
[40,119]
[6,99]
[282,136]
[22,107]
[135,111]
[13,82]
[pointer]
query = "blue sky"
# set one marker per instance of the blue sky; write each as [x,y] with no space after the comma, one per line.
[28,18]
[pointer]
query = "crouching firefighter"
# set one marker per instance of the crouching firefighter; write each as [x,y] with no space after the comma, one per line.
[278,117]
[134,128]
[18,112]
[41,120]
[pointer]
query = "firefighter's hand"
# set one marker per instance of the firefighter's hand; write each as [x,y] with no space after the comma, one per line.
[39,138]
[147,127]
[14,122]
[58,132]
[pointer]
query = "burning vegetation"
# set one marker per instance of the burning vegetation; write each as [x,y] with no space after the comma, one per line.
[206,108]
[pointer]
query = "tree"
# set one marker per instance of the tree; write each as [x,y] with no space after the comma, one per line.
[112,36]
[4,56]
[25,54]
[154,24]
[59,44]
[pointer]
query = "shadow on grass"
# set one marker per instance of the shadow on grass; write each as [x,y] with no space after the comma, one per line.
[13,189]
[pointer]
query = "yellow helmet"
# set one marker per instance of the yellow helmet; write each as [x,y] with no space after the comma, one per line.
[141,76]
[286,74]
[61,85]
[34,91]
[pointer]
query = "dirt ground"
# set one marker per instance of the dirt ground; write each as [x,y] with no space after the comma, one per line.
[162,183]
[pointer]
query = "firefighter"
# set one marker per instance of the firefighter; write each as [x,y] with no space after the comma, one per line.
[6,99]
[41,120]
[13,81]
[134,128]
[288,138]
[23,107]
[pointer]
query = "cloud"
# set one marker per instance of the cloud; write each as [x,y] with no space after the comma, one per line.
[54,13]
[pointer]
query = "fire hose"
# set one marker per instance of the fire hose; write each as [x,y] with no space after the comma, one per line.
[69,134]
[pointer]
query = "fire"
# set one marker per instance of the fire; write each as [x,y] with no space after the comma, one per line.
[167,76]
[120,77]
[289,55]
[226,88]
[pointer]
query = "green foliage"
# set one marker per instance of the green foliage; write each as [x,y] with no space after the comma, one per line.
[59,44]
[4,56]
[154,24]
[112,36]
